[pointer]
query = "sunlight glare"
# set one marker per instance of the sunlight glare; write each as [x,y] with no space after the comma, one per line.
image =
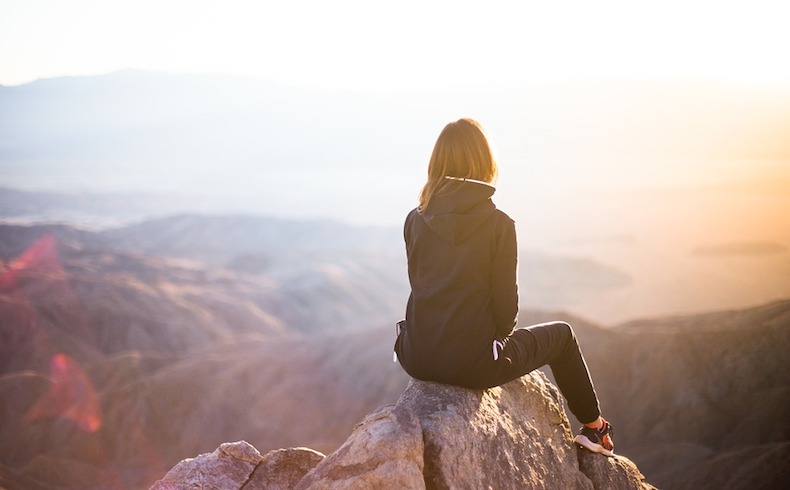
[355,44]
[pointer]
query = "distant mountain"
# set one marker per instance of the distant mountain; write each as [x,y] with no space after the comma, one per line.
[219,240]
[147,115]
[336,264]
[309,276]
[337,273]
[734,249]
[93,210]
[200,135]
[307,152]
[66,290]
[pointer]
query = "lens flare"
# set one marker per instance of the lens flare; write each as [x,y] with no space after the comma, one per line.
[71,396]
[34,276]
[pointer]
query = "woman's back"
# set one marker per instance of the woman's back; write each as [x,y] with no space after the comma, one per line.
[462,257]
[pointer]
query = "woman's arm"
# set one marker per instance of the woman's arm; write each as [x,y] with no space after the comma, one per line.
[504,286]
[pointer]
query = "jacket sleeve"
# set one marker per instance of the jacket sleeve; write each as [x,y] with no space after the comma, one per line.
[503,278]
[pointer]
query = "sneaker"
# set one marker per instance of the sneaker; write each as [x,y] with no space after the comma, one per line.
[597,441]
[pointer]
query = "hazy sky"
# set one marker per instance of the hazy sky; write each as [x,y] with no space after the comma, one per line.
[598,136]
[397,44]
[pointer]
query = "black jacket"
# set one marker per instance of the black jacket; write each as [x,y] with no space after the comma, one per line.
[462,269]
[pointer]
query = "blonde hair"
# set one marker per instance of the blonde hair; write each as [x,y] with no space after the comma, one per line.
[462,151]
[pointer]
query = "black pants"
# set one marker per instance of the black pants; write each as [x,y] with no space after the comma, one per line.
[553,344]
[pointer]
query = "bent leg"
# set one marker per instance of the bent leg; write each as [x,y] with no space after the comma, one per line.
[554,344]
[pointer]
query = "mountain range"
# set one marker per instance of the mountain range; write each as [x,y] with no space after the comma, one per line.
[126,350]
[245,145]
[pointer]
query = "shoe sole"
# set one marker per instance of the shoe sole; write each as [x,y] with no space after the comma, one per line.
[586,443]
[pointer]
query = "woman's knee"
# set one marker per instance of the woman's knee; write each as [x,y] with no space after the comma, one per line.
[557,335]
[565,330]
[567,338]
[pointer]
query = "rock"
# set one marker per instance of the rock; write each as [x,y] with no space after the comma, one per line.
[282,469]
[229,466]
[438,437]
[237,465]
[513,436]
[617,472]
[384,451]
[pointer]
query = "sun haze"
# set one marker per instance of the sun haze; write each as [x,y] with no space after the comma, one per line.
[354,44]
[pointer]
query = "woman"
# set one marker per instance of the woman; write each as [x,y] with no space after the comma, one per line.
[461,314]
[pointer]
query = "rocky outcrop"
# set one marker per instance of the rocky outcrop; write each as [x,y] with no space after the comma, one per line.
[230,466]
[239,465]
[435,436]
[385,451]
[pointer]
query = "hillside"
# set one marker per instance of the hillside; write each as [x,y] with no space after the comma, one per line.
[691,395]
[297,271]
[105,354]
[296,274]
[696,385]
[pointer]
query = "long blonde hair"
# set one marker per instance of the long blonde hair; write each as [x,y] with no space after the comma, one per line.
[462,151]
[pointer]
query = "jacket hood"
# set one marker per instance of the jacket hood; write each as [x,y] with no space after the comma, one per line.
[459,209]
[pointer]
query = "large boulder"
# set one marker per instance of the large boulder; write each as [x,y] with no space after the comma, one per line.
[385,451]
[513,436]
[440,436]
